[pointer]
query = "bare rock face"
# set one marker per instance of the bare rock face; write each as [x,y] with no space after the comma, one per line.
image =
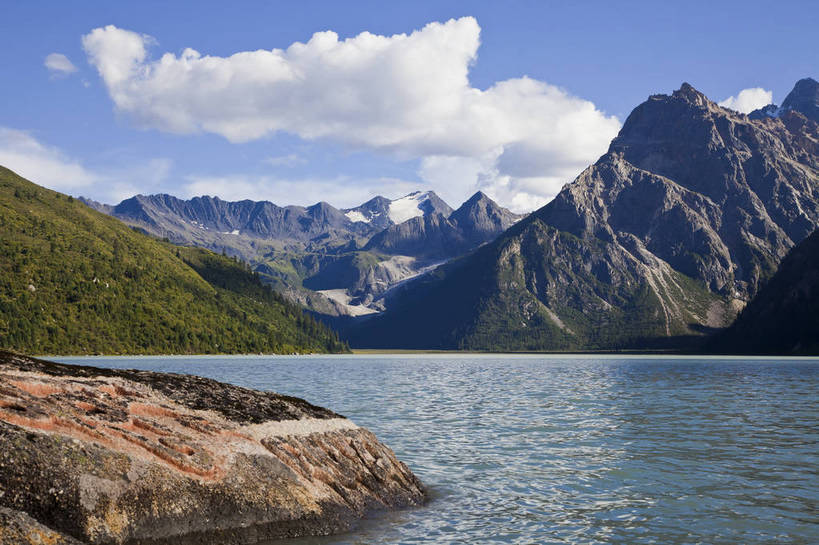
[746,191]
[132,457]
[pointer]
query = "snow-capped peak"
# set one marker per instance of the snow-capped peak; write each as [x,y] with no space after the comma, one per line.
[408,207]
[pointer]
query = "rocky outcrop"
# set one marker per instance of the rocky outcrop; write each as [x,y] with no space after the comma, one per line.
[134,457]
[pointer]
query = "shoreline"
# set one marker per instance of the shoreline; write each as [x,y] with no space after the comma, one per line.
[452,353]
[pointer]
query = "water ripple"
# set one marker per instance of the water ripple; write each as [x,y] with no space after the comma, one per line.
[581,450]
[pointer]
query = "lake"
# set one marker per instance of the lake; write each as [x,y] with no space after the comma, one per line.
[568,449]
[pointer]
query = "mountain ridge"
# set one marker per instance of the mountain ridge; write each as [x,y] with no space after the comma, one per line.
[310,253]
[664,237]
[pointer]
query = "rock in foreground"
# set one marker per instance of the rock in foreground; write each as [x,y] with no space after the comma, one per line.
[115,456]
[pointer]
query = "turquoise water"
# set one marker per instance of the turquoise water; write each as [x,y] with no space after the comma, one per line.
[542,449]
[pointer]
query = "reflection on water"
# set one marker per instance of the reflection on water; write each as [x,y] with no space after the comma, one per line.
[542,449]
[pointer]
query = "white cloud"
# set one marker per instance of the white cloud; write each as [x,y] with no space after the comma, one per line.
[42,164]
[748,100]
[48,166]
[59,64]
[406,95]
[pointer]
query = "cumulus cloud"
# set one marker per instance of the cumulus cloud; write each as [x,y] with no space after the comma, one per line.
[748,100]
[59,64]
[406,95]
[50,167]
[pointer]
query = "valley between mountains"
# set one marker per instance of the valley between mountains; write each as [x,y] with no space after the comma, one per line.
[336,262]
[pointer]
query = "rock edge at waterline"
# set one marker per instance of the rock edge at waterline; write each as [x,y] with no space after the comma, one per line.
[137,457]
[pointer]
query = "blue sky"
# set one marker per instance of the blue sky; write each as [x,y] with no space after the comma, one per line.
[513,98]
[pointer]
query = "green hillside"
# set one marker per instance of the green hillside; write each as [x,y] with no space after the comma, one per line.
[75,281]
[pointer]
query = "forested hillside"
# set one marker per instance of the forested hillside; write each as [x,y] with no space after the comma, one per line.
[75,281]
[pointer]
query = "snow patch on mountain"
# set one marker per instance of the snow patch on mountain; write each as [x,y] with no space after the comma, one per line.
[355,215]
[408,207]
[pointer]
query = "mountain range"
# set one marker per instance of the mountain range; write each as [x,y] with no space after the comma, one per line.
[664,239]
[333,261]
[660,243]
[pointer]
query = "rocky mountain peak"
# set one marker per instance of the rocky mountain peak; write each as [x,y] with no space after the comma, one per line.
[327,214]
[478,197]
[417,203]
[479,200]
[436,231]
[476,204]
[804,98]
[677,118]
[688,93]
[481,219]
[374,212]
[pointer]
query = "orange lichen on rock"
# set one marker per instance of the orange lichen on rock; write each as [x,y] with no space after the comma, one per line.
[144,409]
[85,406]
[116,390]
[42,404]
[145,426]
[37,389]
